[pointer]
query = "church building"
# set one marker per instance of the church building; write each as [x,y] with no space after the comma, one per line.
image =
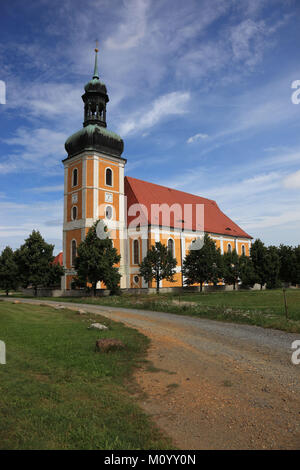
[137,213]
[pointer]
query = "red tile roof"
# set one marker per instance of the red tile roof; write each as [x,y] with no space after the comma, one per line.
[215,221]
[58,259]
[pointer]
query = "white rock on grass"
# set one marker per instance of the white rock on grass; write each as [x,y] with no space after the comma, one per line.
[98,326]
[81,312]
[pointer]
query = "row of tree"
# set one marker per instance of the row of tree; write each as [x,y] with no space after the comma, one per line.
[97,259]
[30,265]
[271,266]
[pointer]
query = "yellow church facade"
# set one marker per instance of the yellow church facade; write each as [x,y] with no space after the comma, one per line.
[137,213]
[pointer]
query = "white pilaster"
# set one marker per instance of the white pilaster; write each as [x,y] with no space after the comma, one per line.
[84,188]
[65,192]
[222,245]
[95,190]
[144,251]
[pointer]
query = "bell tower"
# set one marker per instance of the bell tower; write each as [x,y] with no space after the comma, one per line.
[94,179]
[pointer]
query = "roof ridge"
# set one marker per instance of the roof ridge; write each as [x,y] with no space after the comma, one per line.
[172,189]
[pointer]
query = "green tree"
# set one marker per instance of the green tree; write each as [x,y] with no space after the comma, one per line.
[203,264]
[272,267]
[258,255]
[231,272]
[53,278]
[288,263]
[96,260]
[296,272]
[9,274]
[158,264]
[35,263]
[266,262]
[247,272]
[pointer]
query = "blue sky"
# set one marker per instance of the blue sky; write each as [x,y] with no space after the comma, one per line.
[199,90]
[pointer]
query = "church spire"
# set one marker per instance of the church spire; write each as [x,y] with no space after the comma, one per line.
[96,73]
[95,98]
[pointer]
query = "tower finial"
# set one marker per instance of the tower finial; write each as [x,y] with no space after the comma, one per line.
[96,73]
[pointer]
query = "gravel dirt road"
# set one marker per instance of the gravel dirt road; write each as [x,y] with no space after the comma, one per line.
[216,385]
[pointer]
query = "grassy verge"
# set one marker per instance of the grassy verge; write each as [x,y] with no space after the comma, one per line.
[56,392]
[261,308]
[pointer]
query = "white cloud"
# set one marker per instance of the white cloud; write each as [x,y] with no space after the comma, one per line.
[229,192]
[132,28]
[19,219]
[247,187]
[281,220]
[47,189]
[292,181]
[34,150]
[196,137]
[247,41]
[48,100]
[171,104]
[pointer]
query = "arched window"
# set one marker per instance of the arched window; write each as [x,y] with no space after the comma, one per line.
[171,246]
[229,248]
[136,279]
[75,177]
[74,212]
[73,252]
[243,250]
[136,257]
[108,212]
[108,177]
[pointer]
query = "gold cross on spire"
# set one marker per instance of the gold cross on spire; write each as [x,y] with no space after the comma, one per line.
[97,46]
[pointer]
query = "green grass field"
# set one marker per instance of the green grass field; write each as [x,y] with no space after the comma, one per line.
[263,308]
[56,392]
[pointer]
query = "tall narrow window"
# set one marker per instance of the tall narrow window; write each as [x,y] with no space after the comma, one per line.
[108,177]
[171,246]
[73,252]
[75,177]
[243,250]
[136,258]
[229,248]
[74,212]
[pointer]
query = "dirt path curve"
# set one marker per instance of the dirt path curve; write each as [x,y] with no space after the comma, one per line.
[218,385]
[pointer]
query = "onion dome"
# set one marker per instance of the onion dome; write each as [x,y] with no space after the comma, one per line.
[94,137]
